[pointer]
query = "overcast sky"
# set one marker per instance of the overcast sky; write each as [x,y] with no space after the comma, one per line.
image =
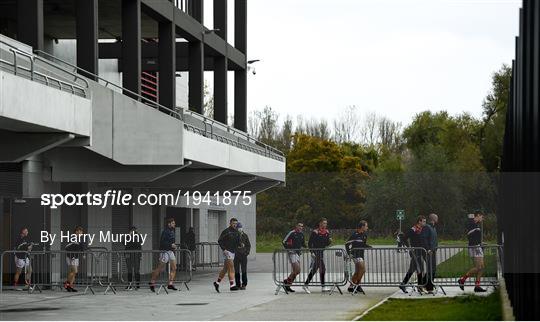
[392,57]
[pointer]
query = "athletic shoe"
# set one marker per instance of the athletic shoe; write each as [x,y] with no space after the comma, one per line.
[350,289]
[216,286]
[461,283]
[325,289]
[129,288]
[478,289]
[234,288]
[289,289]
[359,289]
[403,289]
[71,289]
[152,287]
[243,288]
[306,289]
[171,287]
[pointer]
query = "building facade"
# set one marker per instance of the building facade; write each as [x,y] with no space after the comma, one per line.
[108,95]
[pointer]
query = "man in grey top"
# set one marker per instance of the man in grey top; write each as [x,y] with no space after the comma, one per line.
[433,243]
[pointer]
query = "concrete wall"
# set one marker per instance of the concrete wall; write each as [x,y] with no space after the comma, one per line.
[42,107]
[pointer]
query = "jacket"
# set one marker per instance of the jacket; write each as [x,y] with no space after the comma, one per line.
[168,238]
[355,243]
[245,246]
[229,239]
[294,240]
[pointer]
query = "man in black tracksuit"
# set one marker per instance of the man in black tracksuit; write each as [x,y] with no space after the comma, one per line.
[416,236]
[229,240]
[319,239]
[133,262]
[476,252]
[295,241]
[241,258]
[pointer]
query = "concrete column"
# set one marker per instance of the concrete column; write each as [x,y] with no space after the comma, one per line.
[220,89]
[240,100]
[131,45]
[30,27]
[167,64]
[87,36]
[196,76]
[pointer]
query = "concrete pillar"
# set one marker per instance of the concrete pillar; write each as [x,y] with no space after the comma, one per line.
[131,45]
[30,25]
[87,36]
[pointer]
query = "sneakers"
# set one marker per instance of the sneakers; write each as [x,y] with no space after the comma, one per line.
[403,289]
[306,289]
[152,287]
[325,289]
[287,286]
[235,288]
[461,283]
[171,287]
[243,287]
[359,289]
[350,289]
[16,287]
[216,286]
[478,289]
[68,287]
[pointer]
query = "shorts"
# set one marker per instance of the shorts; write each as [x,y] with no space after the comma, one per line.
[358,260]
[476,251]
[228,255]
[22,262]
[167,256]
[72,261]
[293,258]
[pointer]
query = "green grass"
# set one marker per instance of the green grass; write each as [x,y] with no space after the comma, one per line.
[462,308]
[267,243]
[458,264]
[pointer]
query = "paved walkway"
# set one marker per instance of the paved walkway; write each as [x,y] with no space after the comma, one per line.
[201,303]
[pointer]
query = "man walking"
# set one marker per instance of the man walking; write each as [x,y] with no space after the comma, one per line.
[318,240]
[355,248]
[476,252]
[294,241]
[133,262]
[416,236]
[167,246]
[241,258]
[229,240]
[433,243]
[74,251]
[22,260]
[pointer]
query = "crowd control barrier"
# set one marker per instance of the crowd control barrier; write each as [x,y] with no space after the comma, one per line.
[208,254]
[95,269]
[450,263]
[389,267]
[318,267]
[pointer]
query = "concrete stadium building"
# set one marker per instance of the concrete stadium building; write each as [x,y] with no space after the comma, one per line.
[109,95]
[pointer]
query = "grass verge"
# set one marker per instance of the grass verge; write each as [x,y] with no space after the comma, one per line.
[462,308]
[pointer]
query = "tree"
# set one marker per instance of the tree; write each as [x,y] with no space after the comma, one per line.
[494,118]
[346,126]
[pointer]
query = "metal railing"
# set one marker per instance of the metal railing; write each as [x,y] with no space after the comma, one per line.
[95,269]
[310,267]
[207,254]
[208,124]
[31,71]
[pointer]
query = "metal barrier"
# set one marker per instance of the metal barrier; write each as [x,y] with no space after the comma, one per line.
[208,254]
[134,269]
[49,269]
[94,269]
[452,262]
[37,69]
[318,267]
[390,267]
